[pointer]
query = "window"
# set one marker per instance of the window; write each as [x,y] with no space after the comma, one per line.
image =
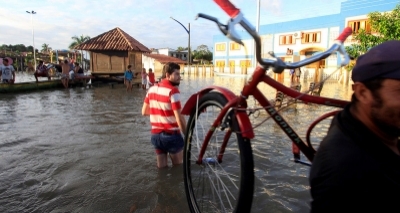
[220,47]
[286,39]
[220,63]
[234,46]
[314,37]
[360,24]
[245,63]
[231,63]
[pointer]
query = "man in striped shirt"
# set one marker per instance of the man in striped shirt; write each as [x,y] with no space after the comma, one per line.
[163,104]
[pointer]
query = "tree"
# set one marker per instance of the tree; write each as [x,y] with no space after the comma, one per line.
[45,48]
[384,27]
[77,41]
[202,53]
[181,49]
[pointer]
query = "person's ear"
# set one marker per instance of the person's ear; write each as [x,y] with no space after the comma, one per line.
[362,93]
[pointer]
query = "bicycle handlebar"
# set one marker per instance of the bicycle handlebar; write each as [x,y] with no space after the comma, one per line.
[228,7]
[345,33]
[275,62]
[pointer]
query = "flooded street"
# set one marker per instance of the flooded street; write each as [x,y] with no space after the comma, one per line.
[89,150]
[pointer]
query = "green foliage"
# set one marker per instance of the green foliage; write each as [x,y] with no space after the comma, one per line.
[78,40]
[16,48]
[181,48]
[46,48]
[202,53]
[384,27]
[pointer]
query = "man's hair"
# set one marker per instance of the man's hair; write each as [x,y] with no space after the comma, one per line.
[76,63]
[129,66]
[373,85]
[169,68]
[66,61]
[5,59]
[40,62]
[150,69]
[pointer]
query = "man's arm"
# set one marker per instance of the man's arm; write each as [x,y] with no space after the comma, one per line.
[146,109]
[181,120]
[13,72]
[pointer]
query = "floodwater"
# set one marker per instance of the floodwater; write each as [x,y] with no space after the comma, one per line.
[89,150]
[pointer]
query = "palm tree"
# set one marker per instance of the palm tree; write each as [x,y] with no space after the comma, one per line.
[45,48]
[77,41]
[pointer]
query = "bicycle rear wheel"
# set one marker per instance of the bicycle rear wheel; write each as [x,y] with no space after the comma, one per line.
[214,186]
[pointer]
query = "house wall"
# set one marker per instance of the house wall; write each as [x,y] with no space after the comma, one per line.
[329,27]
[114,62]
[148,62]
[156,66]
[164,51]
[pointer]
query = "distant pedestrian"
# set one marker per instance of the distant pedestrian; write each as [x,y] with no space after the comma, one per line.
[297,72]
[65,73]
[78,70]
[7,72]
[144,78]
[152,79]
[41,71]
[291,73]
[128,77]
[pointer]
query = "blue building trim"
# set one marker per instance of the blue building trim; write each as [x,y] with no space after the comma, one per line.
[349,8]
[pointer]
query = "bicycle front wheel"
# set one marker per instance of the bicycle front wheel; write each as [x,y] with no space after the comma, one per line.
[213,186]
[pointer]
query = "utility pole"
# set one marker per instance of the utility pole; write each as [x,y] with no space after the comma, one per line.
[33,37]
[189,53]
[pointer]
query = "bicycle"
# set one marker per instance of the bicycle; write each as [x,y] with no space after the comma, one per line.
[216,114]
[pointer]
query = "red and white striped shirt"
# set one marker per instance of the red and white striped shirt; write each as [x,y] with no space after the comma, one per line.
[162,99]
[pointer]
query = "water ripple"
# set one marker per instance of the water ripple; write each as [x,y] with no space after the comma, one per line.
[89,150]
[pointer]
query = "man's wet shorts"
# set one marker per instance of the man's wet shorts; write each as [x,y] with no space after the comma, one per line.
[167,142]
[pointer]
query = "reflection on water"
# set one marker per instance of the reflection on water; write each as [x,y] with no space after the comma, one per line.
[89,150]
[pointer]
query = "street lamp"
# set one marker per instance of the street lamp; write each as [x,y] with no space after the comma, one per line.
[33,37]
[188,31]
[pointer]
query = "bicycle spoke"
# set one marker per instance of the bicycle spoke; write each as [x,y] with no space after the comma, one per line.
[213,186]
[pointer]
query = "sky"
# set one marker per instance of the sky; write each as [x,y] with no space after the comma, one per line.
[148,21]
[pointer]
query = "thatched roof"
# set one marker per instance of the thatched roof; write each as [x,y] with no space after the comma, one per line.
[115,39]
[165,59]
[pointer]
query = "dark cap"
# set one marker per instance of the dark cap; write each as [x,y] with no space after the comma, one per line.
[382,61]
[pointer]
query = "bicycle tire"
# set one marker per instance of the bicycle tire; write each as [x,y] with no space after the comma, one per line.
[213,186]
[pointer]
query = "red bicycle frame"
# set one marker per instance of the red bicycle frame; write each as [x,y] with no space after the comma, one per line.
[239,103]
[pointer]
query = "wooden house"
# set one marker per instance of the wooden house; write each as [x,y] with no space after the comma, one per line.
[112,51]
[157,62]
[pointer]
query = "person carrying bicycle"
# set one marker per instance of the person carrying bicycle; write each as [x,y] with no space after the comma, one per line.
[357,166]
